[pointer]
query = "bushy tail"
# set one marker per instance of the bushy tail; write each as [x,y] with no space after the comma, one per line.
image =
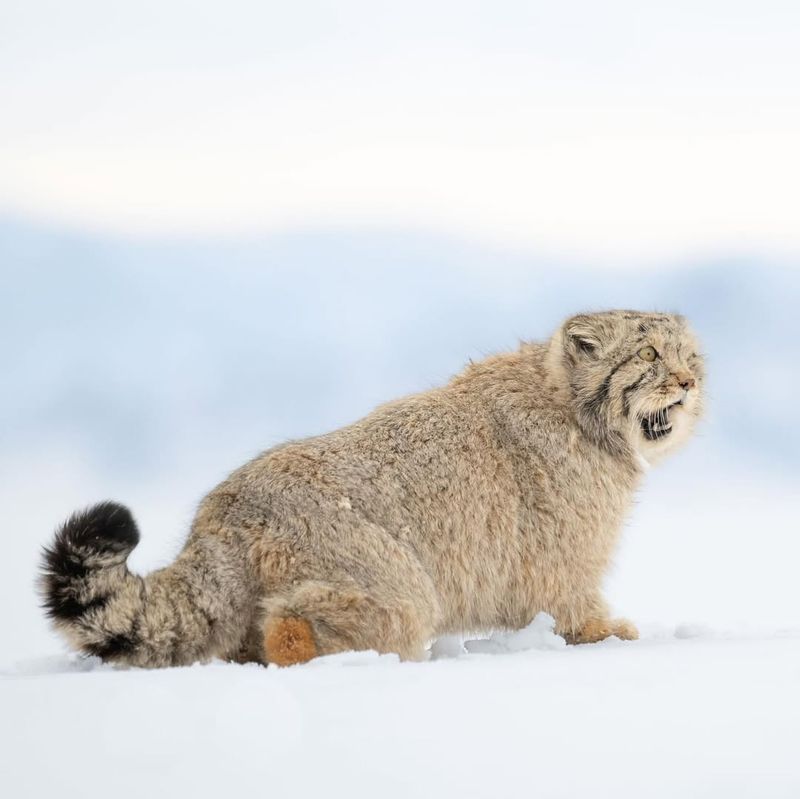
[192,610]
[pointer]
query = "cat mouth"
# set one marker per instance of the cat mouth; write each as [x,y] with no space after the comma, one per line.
[657,425]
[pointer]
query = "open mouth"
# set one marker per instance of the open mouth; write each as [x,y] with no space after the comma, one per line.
[657,425]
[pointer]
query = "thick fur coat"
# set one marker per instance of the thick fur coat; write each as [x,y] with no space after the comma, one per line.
[468,507]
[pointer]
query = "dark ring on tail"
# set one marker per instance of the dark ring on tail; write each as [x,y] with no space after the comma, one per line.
[92,539]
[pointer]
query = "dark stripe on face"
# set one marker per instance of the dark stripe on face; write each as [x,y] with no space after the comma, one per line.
[626,407]
[596,402]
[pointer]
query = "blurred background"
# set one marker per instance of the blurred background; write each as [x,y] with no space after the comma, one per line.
[226,225]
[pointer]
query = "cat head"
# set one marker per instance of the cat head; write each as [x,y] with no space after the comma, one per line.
[634,379]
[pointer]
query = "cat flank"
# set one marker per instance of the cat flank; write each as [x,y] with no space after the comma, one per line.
[466,508]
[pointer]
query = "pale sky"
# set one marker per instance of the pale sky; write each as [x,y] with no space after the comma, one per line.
[600,127]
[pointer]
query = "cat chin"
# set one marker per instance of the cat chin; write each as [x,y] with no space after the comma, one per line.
[676,432]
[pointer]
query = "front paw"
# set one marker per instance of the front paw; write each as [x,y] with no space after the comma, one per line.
[624,630]
[599,629]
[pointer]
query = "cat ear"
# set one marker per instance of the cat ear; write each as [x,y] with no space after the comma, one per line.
[583,336]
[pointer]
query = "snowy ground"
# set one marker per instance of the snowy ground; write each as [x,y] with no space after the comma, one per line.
[681,713]
[706,704]
[146,373]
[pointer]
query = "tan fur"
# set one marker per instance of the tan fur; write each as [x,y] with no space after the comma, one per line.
[465,508]
[288,641]
[595,630]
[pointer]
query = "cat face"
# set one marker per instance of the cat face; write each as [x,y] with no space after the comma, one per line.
[636,378]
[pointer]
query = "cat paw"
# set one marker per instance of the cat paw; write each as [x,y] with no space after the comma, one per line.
[624,630]
[599,629]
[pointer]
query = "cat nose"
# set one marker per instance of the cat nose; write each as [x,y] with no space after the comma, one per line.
[686,381]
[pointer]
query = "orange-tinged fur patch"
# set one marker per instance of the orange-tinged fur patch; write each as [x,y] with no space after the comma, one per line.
[597,630]
[288,640]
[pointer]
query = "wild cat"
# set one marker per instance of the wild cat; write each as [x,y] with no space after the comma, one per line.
[468,507]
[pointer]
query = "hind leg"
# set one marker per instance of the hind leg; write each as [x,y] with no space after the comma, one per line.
[355,587]
[373,594]
[321,618]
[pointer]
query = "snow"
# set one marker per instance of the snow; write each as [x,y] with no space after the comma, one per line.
[537,635]
[146,372]
[706,703]
[670,715]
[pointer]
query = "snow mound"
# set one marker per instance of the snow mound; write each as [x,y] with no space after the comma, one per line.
[690,630]
[448,646]
[539,634]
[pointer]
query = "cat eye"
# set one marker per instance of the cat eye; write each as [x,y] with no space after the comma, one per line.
[648,354]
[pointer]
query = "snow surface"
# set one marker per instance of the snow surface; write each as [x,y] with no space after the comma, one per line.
[145,372]
[706,704]
[681,713]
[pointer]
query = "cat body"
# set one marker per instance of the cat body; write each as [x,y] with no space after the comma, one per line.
[465,508]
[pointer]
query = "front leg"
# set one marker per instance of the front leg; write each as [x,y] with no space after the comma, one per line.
[589,621]
[593,630]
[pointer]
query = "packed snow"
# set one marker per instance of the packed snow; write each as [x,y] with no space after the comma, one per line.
[686,712]
[705,704]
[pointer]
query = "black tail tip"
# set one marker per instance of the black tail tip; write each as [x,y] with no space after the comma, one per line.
[107,527]
[107,530]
